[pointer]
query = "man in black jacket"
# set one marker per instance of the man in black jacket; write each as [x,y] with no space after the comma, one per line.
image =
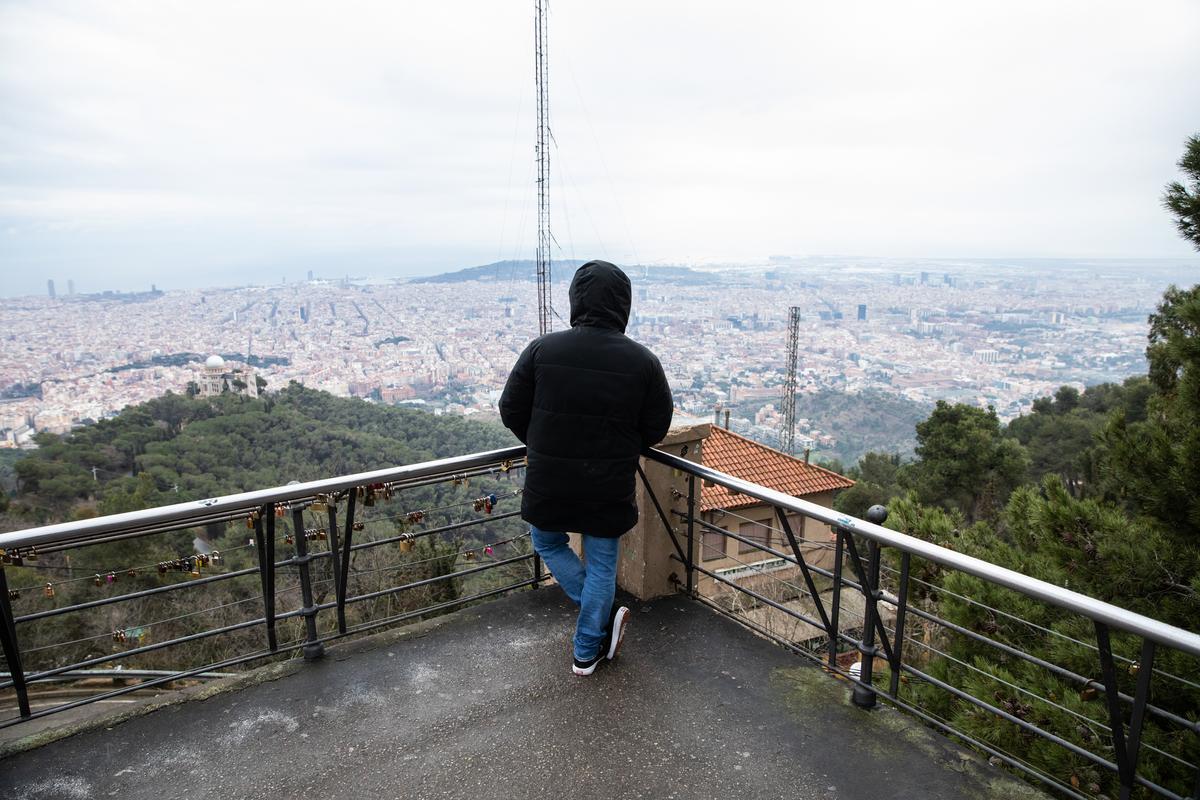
[586,401]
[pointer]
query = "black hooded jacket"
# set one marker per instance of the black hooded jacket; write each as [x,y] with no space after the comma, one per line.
[586,402]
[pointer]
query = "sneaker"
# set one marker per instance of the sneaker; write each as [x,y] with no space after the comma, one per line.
[589,666]
[616,631]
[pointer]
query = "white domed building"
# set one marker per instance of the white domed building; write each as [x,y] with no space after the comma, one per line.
[219,377]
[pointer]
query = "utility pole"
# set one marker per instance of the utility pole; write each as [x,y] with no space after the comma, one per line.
[542,68]
[788,434]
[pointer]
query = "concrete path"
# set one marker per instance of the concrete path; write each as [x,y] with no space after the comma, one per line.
[482,704]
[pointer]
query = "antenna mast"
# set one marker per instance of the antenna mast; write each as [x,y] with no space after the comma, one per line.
[543,155]
[788,434]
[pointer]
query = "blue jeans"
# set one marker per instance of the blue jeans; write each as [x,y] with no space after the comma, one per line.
[592,588]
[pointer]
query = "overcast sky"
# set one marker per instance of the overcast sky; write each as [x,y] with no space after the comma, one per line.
[209,142]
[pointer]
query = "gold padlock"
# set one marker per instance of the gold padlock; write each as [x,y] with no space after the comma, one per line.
[406,545]
[48,590]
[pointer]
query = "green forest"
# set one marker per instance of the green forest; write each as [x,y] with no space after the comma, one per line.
[1096,491]
[865,422]
[178,448]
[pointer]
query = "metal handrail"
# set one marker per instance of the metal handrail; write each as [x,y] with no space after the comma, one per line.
[1090,607]
[258,509]
[148,520]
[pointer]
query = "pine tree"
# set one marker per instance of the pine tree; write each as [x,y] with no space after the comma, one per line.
[1183,201]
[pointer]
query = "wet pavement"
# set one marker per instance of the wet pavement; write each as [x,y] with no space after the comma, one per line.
[482,704]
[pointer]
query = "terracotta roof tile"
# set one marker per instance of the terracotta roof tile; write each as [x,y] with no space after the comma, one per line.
[736,455]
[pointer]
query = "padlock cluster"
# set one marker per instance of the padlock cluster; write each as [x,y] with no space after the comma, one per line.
[485,504]
[310,535]
[124,635]
[189,564]
[374,491]
[17,558]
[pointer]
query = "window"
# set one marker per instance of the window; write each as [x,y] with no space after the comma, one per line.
[755,532]
[712,545]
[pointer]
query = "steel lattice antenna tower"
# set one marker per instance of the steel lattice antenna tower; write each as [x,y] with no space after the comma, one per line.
[544,272]
[788,434]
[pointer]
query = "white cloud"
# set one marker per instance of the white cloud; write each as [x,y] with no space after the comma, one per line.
[683,130]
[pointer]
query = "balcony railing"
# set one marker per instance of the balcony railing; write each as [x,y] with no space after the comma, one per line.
[382,517]
[789,607]
[343,533]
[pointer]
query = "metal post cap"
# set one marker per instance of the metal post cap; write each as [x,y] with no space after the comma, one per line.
[877,514]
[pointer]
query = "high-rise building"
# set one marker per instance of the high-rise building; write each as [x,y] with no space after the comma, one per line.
[70,288]
[862,311]
[924,278]
[310,275]
[50,287]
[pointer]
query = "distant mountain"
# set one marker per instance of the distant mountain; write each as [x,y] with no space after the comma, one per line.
[502,271]
[564,270]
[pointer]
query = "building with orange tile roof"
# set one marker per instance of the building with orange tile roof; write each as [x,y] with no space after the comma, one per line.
[744,458]
[723,510]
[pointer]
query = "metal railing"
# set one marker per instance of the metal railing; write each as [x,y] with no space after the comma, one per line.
[886,590]
[1111,745]
[303,517]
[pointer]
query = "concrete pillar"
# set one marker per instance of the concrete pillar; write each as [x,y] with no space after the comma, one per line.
[645,564]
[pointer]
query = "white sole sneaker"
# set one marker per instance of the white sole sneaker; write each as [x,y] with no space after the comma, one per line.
[587,667]
[620,620]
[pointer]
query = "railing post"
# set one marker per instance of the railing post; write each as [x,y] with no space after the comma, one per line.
[335,562]
[265,549]
[12,650]
[808,579]
[864,695]
[838,555]
[344,562]
[898,636]
[1125,750]
[691,535]
[313,648]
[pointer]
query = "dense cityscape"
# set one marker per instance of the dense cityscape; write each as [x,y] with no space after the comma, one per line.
[983,333]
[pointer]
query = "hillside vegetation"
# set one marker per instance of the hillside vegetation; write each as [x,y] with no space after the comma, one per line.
[178,448]
[1098,492]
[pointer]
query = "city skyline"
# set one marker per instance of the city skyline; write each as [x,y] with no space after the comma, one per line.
[976,333]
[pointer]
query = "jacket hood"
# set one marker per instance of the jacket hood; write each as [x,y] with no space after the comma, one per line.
[600,296]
